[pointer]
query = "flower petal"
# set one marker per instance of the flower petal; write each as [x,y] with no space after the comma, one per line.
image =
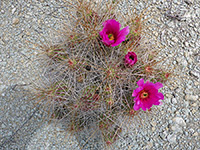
[112,26]
[140,82]
[136,91]
[143,107]
[124,32]
[147,103]
[158,85]
[160,96]
[101,33]
[157,103]
[137,104]
[121,36]
[136,107]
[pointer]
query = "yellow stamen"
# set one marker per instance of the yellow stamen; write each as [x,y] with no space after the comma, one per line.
[111,37]
[144,95]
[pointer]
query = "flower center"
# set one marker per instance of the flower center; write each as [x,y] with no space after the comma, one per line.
[144,95]
[111,37]
[131,57]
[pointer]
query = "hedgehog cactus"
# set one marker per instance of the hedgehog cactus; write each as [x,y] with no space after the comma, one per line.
[97,68]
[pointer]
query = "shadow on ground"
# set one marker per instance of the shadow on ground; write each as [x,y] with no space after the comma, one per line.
[19,118]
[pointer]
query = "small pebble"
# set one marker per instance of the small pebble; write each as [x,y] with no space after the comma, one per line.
[176,128]
[15,21]
[175,39]
[186,44]
[191,97]
[13,10]
[179,121]
[174,101]
[195,134]
[171,138]
[149,145]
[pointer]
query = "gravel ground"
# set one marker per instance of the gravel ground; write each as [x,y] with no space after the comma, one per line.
[173,125]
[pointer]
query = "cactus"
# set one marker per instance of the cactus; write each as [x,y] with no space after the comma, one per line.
[92,79]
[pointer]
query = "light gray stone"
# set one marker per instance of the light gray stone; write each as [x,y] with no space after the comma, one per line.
[175,39]
[179,121]
[13,10]
[171,138]
[174,101]
[177,128]
[15,21]
[191,97]
[195,134]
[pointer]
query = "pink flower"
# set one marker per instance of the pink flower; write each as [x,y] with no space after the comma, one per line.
[130,59]
[111,34]
[147,95]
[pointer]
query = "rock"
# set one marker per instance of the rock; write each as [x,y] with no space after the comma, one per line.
[175,39]
[2,11]
[194,111]
[195,73]
[184,62]
[9,133]
[179,121]
[13,10]
[194,105]
[174,101]
[27,16]
[149,145]
[196,83]
[178,59]
[15,21]
[195,134]
[28,33]
[191,97]
[155,33]
[186,44]
[176,128]
[186,111]
[3,126]
[3,94]
[153,123]
[186,103]
[1,89]
[171,138]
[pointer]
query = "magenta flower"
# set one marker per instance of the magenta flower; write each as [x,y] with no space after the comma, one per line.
[111,34]
[147,95]
[130,59]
